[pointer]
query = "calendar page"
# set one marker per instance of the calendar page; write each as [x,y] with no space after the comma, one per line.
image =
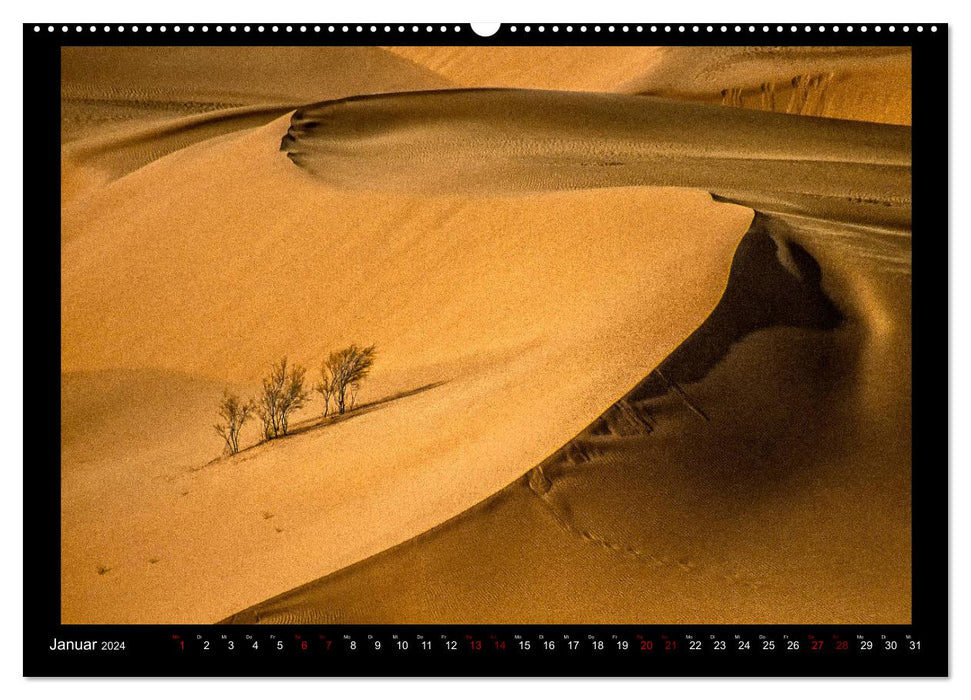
[546,349]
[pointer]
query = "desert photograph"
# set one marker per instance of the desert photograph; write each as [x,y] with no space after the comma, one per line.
[485,335]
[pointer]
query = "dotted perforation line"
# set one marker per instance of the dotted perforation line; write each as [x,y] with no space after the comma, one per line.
[257,28]
[513,28]
[725,28]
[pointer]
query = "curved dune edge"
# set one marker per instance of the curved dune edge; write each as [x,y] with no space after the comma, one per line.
[528,332]
[725,488]
[107,86]
[837,361]
[840,188]
[92,163]
[506,141]
[860,83]
[124,106]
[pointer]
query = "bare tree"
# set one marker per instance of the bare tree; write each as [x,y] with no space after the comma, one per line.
[234,413]
[346,369]
[283,393]
[325,388]
[295,395]
[267,405]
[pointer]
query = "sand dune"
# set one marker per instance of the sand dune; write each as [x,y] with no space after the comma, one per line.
[499,297]
[529,140]
[845,181]
[91,163]
[609,395]
[726,487]
[116,85]
[123,107]
[719,489]
[866,83]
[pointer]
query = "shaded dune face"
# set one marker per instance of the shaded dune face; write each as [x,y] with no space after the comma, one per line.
[773,282]
[722,488]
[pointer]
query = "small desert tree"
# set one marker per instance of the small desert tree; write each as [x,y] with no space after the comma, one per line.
[325,388]
[234,413]
[346,369]
[283,393]
[267,407]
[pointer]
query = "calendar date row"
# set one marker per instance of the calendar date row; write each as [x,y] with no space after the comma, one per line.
[301,643]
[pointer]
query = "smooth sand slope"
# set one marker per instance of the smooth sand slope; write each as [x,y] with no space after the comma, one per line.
[587,68]
[123,107]
[533,332]
[862,83]
[523,283]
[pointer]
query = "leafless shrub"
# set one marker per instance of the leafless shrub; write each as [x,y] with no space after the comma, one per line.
[234,413]
[283,393]
[325,388]
[345,370]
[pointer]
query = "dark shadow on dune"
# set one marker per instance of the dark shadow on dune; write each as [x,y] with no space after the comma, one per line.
[363,409]
[750,410]
[758,374]
[773,282]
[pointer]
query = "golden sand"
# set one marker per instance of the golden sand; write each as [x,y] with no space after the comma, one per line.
[524,276]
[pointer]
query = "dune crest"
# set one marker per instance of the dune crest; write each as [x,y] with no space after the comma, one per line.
[506,141]
[120,108]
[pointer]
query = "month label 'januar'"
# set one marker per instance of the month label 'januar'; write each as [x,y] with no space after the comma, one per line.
[86,645]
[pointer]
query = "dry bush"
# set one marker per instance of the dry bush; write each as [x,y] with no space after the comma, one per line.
[234,413]
[342,371]
[283,393]
[326,389]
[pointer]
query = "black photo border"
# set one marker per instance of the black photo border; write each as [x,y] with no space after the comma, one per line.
[153,650]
